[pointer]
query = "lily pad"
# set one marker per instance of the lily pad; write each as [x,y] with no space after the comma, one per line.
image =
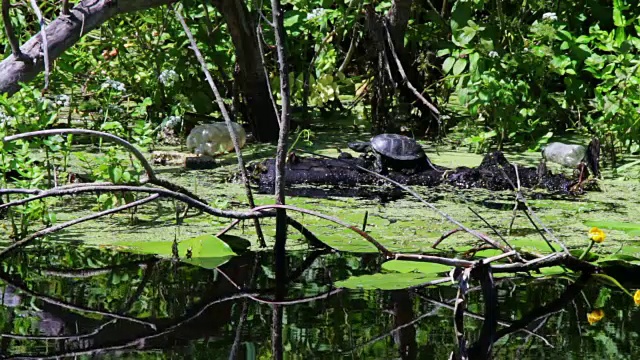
[590,257]
[620,259]
[388,281]
[536,245]
[629,228]
[207,251]
[404,266]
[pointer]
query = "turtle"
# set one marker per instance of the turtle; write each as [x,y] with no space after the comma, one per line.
[395,151]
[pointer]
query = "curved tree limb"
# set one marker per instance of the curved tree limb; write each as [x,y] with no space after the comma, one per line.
[61,35]
[40,194]
[151,175]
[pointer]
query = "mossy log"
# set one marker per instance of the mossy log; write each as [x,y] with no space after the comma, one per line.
[494,173]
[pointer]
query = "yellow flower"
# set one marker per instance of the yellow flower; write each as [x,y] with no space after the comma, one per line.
[596,235]
[595,316]
[636,297]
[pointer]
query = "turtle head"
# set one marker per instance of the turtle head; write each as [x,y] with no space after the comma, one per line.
[359,146]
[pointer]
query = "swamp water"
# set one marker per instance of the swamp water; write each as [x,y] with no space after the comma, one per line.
[79,294]
[143,308]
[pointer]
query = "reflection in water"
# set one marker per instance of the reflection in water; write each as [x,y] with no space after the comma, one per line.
[136,305]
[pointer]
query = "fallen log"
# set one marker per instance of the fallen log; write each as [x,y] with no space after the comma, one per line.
[494,173]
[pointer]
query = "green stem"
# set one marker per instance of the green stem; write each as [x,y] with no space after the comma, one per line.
[587,250]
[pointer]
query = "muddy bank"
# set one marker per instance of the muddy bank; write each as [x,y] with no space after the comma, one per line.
[494,173]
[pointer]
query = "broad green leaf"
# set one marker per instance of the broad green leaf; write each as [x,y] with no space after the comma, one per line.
[448,64]
[207,251]
[536,245]
[629,228]
[459,66]
[389,281]
[610,280]
[405,266]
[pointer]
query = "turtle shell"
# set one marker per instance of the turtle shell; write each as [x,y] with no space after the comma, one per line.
[397,147]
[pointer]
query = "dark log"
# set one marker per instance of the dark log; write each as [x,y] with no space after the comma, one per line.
[342,173]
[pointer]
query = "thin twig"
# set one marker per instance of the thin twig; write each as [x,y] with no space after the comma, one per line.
[227,120]
[407,189]
[151,175]
[45,43]
[531,214]
[65,8]
[39,194]
[145,164]
[368,237]
[67,224]
[11,36]
[405,80]
[260,37]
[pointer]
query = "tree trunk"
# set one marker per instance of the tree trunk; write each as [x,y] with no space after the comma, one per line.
[253,84]
[398,17]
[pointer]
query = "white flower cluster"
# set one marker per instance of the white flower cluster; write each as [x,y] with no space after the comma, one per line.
[116,85]
[493,54]
[316,13]
[62,100]
[551,16]
[168,77]
[5,118]
[172,121]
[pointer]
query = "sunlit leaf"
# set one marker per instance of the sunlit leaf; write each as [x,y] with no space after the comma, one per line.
[389,281]
[206,251]
[404,266]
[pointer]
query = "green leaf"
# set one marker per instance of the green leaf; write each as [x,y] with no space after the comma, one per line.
[389,281]
[535,245]
[610,280]
[116,174]
[448,64]
[459,66]
[630,228]
[405,266]
[603,296]
[443,52]
[207,251]
[473,61]
[618,17]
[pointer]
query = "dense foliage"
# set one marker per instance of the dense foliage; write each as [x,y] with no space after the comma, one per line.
[501,72]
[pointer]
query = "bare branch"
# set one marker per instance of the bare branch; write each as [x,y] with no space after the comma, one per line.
[45,44]
[227,120]
[65,8]
[368,237]
[405,80]
[145,164]
[40,194]
[11,36]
